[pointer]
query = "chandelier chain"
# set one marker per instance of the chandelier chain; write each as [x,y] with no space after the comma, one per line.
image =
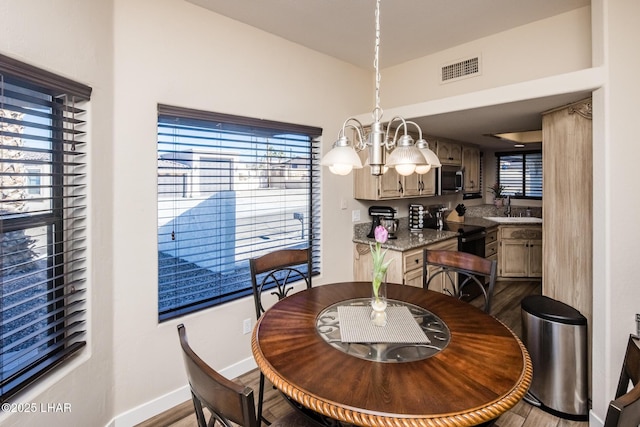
[377,112]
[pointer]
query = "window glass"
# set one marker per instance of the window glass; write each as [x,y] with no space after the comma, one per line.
[42,229]
[521,174]
[229,191]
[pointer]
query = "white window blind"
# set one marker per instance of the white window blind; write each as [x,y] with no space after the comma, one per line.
[521,174]
[229,188]
[42,222]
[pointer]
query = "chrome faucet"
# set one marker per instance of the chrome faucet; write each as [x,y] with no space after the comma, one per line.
[508,211]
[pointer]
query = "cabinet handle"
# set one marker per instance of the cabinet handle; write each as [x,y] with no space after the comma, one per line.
[400,187]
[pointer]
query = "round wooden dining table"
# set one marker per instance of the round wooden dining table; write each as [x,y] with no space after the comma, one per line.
[483,371]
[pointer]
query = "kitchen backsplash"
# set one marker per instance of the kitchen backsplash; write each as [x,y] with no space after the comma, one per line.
[491,210]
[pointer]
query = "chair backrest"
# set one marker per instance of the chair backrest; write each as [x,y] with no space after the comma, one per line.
[624,411]
[226,400]
[462,272]
[278,270]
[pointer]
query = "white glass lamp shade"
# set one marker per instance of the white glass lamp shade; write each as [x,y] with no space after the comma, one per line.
[405,157]
[422,169]
[341,160]
[432,158]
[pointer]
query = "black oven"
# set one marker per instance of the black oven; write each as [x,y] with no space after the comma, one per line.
[472,242]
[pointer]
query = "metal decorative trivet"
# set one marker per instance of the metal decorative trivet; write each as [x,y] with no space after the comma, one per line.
[328,326]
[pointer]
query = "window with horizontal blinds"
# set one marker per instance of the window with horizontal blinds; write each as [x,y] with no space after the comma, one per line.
[229,188]
[43,220]
[521,174]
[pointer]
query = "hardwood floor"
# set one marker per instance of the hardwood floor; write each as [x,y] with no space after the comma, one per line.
[506,307]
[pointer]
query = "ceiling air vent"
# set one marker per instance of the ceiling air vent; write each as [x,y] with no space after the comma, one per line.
[460,69]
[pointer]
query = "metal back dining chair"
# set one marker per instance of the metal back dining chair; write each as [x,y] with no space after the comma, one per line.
[277,271]
[227,401]
[624,411]
[460,272]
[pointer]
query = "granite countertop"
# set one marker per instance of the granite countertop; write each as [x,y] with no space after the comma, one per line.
[407,240]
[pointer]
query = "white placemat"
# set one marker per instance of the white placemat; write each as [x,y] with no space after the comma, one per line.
[401,327]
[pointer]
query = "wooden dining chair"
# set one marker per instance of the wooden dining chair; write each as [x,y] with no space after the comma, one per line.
[624,411]
[277,271]
[459,273]
[227,401]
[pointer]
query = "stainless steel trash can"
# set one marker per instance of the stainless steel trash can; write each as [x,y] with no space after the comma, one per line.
[555,335]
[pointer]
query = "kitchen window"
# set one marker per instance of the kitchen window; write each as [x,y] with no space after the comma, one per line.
[229,188]
[521,174]
[43,218]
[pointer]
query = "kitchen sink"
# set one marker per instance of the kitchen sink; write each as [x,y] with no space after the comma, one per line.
[514,219]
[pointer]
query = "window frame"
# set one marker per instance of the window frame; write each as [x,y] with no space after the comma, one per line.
[524,154]
[61,334]
[187,117]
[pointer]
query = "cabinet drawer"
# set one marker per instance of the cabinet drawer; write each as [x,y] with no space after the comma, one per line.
[492,236]
[528,233]
[412,260]
[491,249]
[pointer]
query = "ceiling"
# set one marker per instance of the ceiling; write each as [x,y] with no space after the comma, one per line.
[409,29]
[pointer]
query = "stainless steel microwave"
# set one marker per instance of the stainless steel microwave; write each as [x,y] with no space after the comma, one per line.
[450,179]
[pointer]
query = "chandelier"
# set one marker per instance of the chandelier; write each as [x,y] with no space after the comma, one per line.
[404,155]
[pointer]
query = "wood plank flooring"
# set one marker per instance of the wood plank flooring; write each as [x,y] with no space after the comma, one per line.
[506,307]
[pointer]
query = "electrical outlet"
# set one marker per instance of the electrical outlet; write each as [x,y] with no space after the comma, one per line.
[355,215]
[246,326]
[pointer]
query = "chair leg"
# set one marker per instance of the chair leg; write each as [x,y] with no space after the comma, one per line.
[202,422]
[260,398]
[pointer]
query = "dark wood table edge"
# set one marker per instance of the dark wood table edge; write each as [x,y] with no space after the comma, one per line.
[356,416]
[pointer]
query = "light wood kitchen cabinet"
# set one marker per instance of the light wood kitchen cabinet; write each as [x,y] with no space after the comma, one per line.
[440,283]
[471,168]
[449,152]
[405,267]
[369,187]
[491,243]
[520,251]
[391,185]
[420,185]
[568,205]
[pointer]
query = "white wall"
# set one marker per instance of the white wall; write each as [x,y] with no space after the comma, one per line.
[616,203]
[73,38]
[176,53]
[549,47]
[169,51]
[616,206]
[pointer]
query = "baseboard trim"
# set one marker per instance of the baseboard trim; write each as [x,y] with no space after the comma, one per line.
[594,421]
[160,404]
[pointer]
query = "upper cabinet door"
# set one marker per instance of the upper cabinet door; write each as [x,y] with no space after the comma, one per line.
[449,152]
[471,166]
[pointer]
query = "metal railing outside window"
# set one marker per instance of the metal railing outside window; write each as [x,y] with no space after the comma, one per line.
[229,188]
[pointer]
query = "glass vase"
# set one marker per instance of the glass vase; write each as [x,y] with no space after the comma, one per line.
[379,299]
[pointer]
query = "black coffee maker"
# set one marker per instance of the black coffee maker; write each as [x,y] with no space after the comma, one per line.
[377,214]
